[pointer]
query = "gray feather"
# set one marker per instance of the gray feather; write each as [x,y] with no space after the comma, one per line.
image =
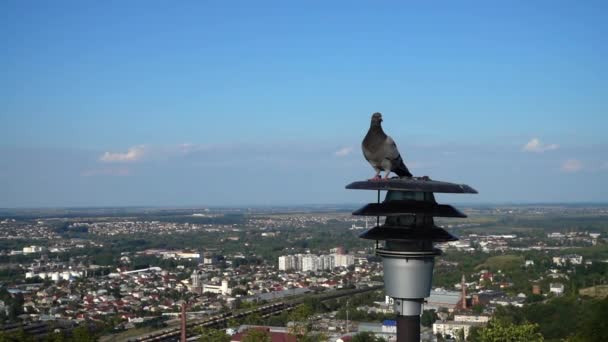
[381,151]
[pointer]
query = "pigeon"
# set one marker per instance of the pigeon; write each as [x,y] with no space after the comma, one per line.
[381,151]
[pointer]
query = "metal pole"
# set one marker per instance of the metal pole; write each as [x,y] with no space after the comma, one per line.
[378,217]
[183,335]
[408,328]
[347,327]
[378,220]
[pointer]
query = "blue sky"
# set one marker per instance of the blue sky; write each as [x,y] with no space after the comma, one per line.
[252,103]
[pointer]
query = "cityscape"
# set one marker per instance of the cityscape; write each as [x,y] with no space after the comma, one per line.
[303,171]
[59,273]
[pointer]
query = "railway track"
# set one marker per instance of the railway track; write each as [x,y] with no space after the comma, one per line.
[173,334]
[39,329]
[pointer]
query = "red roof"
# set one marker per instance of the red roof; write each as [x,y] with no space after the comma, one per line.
[487,275]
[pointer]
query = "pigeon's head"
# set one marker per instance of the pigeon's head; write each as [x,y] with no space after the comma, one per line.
[376,119]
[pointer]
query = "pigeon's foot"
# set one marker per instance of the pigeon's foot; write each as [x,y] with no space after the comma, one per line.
[375,178]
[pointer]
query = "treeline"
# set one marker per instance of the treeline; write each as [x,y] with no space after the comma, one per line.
[571,318]
[446,275]
[13,306]
[551,223]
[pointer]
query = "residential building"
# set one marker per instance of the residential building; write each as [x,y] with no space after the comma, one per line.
[556,288]
[344,260]
[453,328]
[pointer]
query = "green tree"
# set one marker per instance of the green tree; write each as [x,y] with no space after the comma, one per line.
[534,298]
[232,323]
[314,304]
[82,334]
[301,327]
[473,334]
[56,337]
[257,335]
[213,335]
[301,313]
[477,309]
[21,336]
[500,331]
[367,337]
[253,319]
[428,318]
[593,325]
[460,335]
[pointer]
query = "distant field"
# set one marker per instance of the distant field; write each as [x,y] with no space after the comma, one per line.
[599,291]
[499,229]
[598,252]
[501,262]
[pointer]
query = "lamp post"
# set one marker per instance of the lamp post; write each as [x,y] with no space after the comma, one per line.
[347,327]
[409,233]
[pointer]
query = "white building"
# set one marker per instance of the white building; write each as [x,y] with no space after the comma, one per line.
[222,289]
[32,249]
[55,276]
[298,262]
[506,301]
[471,318]
[556,288]
[327,262]
[310,263]
[314,263]
[572,259]
[196,281]
[287,262]
[283,263]
[452,328]
[344,260]
[440,298]
[188,255]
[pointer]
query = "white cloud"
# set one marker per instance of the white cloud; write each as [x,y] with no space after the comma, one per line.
[572,165]
[134,153]
[187,148]
[343,152]
[535,145]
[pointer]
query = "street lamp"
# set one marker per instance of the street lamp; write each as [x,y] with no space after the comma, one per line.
[409,233]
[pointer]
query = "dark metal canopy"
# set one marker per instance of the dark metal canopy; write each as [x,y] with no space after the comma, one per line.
[408,232]
[393,208]
[396,233]
[412,184]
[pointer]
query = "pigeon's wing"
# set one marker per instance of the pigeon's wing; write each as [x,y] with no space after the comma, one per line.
[396,162]
[390,149]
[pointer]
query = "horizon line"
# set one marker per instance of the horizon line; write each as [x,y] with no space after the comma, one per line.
[248,206]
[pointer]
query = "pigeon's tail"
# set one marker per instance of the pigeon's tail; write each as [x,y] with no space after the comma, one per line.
[401,170]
